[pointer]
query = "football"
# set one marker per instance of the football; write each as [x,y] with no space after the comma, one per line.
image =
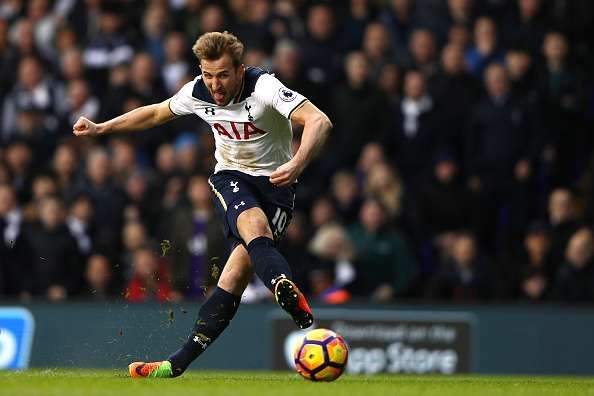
[321,355]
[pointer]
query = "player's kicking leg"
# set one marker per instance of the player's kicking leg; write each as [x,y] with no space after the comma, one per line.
[213,318]
[271,267]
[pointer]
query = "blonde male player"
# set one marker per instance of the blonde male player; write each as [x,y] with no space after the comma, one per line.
[250,113]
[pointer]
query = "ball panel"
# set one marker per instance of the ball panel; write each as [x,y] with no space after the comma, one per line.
[319,335]
[311,356]
[328,374]
[337,351]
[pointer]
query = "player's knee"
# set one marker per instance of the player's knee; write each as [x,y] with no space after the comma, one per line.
[252,224]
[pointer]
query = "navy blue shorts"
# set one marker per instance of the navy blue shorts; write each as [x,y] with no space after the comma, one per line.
[236,192]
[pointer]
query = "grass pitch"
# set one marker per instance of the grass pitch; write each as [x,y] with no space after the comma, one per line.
[65,382]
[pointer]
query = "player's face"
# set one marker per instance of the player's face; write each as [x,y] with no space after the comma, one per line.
[222,78]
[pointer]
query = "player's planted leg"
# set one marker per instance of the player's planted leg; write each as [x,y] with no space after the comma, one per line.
[213,318]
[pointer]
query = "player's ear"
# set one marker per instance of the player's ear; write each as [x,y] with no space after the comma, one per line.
[241,70]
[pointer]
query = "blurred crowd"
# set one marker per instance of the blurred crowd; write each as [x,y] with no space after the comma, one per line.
[460,167]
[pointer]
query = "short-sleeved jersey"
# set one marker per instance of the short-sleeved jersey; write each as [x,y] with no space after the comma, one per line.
[253,132]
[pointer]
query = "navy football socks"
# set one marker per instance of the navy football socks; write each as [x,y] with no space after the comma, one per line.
[214,317]
[267,261]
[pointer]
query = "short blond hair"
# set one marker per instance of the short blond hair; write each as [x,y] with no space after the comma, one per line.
[213,45]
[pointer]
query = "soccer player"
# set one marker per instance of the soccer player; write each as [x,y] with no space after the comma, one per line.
[250,113]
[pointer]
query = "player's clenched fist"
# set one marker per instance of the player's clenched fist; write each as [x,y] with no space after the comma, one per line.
[285,175]
[84,127]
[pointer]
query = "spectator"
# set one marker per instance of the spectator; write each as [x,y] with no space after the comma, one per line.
[459,36]
[318,54]
[189,17]
[145,82]
[252,23]
[376,47]
[332,265]
[389,83]
[358,97]
[45,23]
[19,159]
[400,21]
[8,61]
[141,204]
[154,25]
[212,19]
[360,13]
[150,280]
[347,199]
[372,153]
[23,35]
[98,277]
[176,68]
[415,134]
[518,63]
[465,276]
[322,212]
[444,205]
[108,47]
[12,244]
[32,91]
[532,274]
[560,88]
[526,25]
[500,136]
[79,102]
[71,68]
[123,160]
[563,222]
[385,268]
[80,224]
[385,185]
[43,186]
[56,267]
[461,12]
[423,52]
[535,286]
[134,236]
[65,166]
[454,91]
[486,47]
[575,279]
[186,153]
[107,198]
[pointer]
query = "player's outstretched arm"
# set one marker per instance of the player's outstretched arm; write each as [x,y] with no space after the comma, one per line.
[144,117]
[316,128]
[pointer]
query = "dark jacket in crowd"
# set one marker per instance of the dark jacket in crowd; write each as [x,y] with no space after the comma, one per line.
[414,151]
[359,115]
[499,134]
[54,259]
[445,207]
[575,285]
[454,95]
[455,284]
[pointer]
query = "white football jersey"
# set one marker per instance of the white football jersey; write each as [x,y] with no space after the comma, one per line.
[253,132]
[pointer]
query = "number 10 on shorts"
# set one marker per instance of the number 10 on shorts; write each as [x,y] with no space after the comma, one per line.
[279,222]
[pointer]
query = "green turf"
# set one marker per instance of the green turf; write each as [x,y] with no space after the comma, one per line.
[63,382]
